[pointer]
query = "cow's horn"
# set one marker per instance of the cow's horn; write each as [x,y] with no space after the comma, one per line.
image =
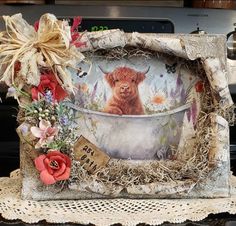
[103,71]
[146,71]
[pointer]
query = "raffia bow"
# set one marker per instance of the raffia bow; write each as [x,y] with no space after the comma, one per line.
[49,47]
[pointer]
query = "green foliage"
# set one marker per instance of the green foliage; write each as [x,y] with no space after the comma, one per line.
[60,116]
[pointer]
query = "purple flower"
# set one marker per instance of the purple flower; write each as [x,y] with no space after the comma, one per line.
[11,92]
[183,95]
[189,115]
[174,94]
[179,81]
[64,120]
[24,129]
[105,97]
[94,91]
[194,112]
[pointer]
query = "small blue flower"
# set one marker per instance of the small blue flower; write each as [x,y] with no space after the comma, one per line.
[48,96]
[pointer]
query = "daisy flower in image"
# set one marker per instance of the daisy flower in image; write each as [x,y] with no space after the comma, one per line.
[159,102]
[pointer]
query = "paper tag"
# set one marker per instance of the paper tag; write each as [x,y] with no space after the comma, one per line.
[90,156]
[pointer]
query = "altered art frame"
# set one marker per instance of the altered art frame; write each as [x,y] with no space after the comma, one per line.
[111,114]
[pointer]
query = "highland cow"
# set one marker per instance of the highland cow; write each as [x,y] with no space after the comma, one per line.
[125,98]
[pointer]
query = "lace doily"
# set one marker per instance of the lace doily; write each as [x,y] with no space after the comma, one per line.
[106,212]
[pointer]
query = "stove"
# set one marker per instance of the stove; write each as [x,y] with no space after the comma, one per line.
[128,18]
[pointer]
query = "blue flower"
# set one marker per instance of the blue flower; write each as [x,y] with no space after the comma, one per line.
[48,96]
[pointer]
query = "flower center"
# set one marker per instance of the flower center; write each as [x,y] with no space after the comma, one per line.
[54,164]
[158,100]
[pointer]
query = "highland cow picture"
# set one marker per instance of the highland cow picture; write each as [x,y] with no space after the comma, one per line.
[134,108]
[125,99]
[134,86]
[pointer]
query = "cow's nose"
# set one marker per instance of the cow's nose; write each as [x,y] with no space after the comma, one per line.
[125,88]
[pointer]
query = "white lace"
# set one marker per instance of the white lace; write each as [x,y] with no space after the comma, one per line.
[106,212]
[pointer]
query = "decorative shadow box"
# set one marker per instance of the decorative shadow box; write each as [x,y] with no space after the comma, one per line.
[110,114]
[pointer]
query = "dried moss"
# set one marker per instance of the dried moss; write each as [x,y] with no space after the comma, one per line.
[191,162]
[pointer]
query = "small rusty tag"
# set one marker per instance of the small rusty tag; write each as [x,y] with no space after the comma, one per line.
[90,156]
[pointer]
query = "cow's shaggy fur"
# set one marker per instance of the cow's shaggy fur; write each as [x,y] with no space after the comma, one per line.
[125,98]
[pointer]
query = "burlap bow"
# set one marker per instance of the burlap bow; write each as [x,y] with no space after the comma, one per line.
[49,47]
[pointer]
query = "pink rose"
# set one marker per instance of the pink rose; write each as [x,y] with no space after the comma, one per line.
[53,166]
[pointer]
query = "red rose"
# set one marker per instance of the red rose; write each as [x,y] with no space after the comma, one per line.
[199,86]
[48,82]
[53,167]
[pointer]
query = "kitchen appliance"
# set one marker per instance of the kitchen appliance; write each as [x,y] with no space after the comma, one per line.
[129,18]
[225,4]
[24,1]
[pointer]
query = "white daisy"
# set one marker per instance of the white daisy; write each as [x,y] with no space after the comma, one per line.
[159,102]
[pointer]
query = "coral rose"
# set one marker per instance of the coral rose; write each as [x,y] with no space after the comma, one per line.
[48,82]
[53,166]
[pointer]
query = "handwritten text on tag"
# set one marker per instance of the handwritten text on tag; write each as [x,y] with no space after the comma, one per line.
[90,156]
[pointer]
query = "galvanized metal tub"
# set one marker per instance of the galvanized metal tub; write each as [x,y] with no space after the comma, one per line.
[131,136]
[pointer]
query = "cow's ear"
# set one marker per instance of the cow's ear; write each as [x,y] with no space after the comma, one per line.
[109,78]
[140,77]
